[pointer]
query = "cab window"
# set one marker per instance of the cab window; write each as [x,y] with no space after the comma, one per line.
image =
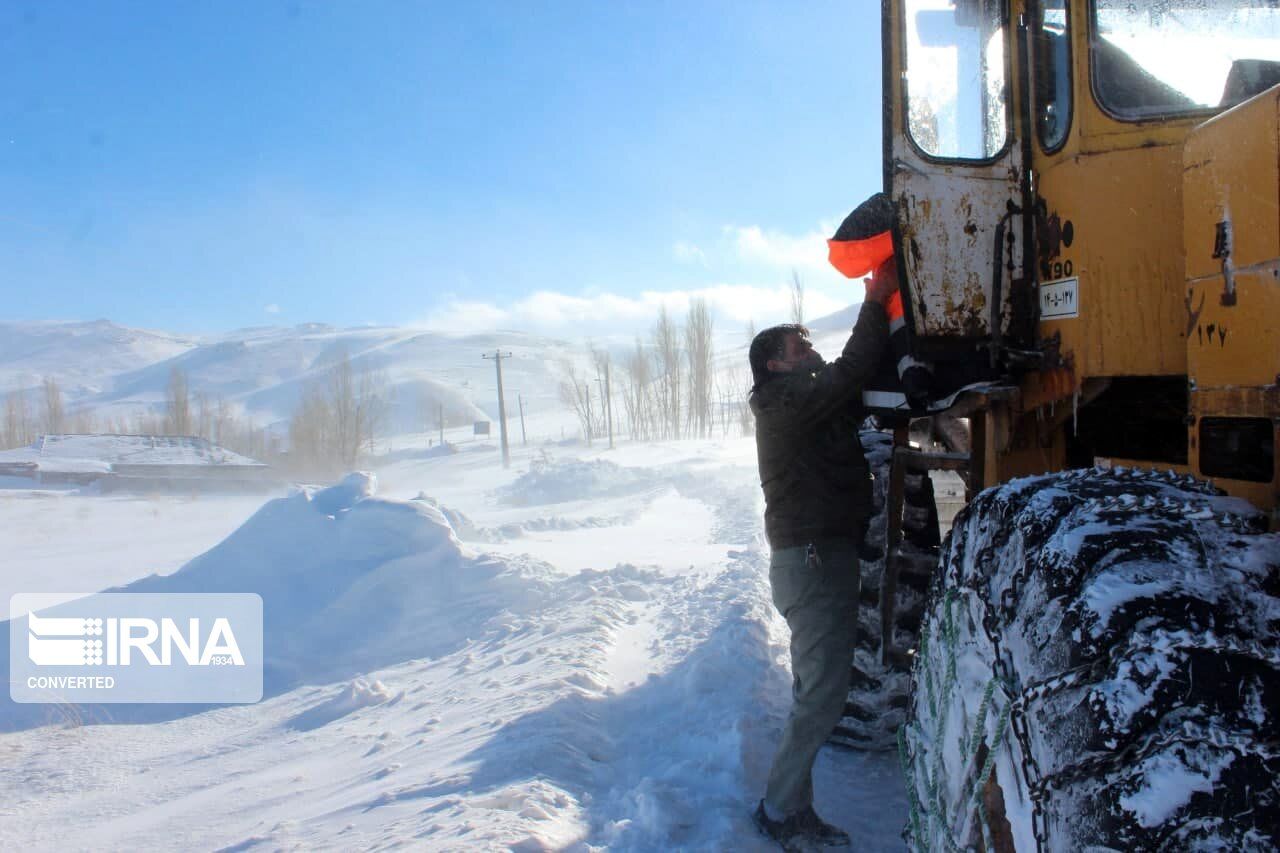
[1052,41]
[955,77]
[1154,58]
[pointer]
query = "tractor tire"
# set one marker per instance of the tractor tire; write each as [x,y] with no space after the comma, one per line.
[880,694]
[1099,670]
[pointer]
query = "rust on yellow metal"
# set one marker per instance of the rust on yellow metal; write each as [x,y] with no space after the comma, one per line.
[1126,210]
[948,218]
[1047,387]
[1231,188]
[1120,185]
[1239,344]
[1231,172]
[1231,192]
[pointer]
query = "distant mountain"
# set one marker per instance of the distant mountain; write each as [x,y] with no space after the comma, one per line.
[84,357]
[838,321]
[262,371]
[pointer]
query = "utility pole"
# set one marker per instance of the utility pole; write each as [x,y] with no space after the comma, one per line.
[586,387]
[524,439]
[497,357]
[442,423]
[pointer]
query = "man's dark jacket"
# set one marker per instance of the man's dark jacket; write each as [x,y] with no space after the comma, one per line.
[812,466]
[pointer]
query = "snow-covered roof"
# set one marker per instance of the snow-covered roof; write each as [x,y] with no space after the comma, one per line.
[103,452]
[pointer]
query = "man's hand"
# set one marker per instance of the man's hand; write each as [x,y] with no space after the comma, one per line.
[883,282]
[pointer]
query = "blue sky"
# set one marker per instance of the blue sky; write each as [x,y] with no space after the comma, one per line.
[204,166]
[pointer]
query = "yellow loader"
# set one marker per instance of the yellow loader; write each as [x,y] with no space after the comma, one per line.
[1086,222]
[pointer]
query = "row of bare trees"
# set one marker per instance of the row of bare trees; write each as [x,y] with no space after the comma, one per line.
[669,387]
[26,418]
[340,415]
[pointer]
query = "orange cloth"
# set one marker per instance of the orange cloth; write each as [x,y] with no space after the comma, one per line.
[856,258]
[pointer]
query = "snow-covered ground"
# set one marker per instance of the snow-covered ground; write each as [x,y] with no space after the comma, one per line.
[587,658]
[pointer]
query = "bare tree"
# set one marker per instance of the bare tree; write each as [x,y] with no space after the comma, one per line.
[309,431]
[699,355]
[637,396]
[666,345]
[751,330]
[202,423]
[359,406]
[575,393]
[603,364]
[797,298]
[732,390]
[338,418]
[18,430]
[177,420]
[738,395]
[54,416]
[82,421]
[343,389]
[223,426]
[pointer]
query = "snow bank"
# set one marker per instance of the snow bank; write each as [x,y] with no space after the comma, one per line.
[350,582]
[462,525]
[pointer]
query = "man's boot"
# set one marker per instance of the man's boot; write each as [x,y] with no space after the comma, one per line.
[801,831]
[816,827]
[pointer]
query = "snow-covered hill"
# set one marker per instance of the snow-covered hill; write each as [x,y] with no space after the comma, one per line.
[85,358]
[119,372]
[264,371]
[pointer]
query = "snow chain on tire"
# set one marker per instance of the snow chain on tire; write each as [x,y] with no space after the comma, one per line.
[1099,669]
[880,694]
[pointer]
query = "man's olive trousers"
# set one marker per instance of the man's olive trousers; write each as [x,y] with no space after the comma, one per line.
[817,592]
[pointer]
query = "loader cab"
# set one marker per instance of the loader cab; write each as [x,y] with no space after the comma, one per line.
[1061,172]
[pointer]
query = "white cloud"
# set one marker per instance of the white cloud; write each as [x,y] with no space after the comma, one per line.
[775,254]
[599,314]
[804,252]
[760,255]
[467,316]
[272,308]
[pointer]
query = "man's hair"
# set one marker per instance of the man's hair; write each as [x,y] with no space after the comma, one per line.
[770,344]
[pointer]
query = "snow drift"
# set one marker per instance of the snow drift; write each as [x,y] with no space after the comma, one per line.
[349,582]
